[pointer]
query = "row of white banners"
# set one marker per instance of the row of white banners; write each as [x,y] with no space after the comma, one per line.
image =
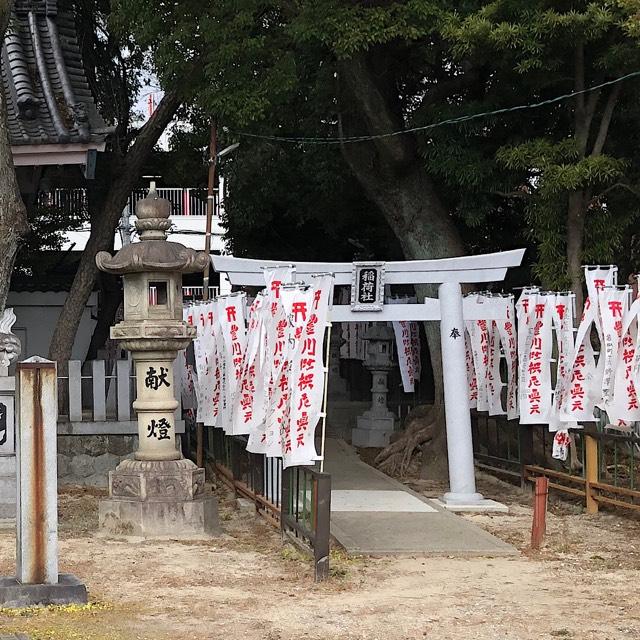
[260,371]
[554,376]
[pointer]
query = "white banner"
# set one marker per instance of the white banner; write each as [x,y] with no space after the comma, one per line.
[205,353]
[621,402]
[230,325]
[407,337]
[308,378]
[585,387]
[248,404]
[479,338]
[563,319]
[471,371]
[494,379]
[508,337]
[535,363]
[186,371]
[275,344]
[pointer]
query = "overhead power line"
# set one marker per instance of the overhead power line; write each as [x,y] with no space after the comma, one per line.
[457,120]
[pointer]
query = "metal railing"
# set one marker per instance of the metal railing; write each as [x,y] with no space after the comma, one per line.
[185,201]
[297,499]
[193,294]
[603,469]
[306,513]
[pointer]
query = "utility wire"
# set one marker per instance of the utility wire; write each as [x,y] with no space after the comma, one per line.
[475,116]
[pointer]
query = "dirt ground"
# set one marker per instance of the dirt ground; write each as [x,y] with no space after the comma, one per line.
[246,585]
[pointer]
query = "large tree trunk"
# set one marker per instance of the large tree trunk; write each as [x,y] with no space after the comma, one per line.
[103,230]
[575,242]
[392,173]
[13,213]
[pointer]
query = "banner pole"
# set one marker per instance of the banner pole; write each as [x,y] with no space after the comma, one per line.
[324,399]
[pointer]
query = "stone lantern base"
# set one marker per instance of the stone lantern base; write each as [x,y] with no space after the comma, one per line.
[157,499]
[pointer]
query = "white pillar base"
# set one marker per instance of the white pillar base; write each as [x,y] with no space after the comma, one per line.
[462,498]
[472,505]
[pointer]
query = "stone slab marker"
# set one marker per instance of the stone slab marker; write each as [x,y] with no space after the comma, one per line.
[37,580]
[37,507]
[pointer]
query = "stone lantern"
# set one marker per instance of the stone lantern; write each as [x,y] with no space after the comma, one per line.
[158,492]
[375,426]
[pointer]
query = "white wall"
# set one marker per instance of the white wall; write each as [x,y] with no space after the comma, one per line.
[37,313]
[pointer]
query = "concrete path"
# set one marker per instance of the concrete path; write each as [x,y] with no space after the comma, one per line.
[373,514]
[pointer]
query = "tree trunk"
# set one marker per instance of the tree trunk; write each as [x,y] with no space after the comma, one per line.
[111,298]
[13,213]
[103,230]
[392,173]
[575,240]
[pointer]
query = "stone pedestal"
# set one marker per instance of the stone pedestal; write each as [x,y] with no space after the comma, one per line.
[375,426]
[159,498]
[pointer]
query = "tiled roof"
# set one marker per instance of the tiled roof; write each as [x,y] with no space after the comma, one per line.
[48,98]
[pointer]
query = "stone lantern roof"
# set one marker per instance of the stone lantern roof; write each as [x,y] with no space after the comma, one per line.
[153,252]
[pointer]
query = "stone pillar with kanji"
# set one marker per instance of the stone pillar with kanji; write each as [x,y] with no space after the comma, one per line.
[159,492]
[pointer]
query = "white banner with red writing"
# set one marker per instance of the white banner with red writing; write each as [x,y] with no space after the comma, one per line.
[206,359]
[231,341]
[308,376]
[407,337]
[585,381]
[269,352]
[248,405]
[535,370]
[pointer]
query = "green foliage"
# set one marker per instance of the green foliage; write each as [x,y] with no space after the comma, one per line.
[273,67]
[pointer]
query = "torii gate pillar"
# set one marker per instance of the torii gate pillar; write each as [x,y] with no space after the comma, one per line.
[462,479]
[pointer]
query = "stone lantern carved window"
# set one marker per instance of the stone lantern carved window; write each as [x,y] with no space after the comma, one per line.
[158,294]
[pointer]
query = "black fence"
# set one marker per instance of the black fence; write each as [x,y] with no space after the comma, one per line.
[306,513]
[297,499]
[603,467]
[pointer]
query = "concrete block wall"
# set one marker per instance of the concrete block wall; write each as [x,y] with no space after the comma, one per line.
[7,487]
[87,460]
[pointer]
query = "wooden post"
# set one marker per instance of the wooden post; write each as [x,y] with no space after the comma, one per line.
[322,525]
[525,433]
[590,471]
[539,526]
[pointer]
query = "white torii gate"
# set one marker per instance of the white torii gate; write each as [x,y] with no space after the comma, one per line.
[450,308]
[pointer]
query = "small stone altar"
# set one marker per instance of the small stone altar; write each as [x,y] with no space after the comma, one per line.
[158,493]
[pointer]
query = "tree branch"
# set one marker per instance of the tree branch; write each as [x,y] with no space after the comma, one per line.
[358,76]
[606,120]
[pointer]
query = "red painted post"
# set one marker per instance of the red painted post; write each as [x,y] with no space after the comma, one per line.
[539,526]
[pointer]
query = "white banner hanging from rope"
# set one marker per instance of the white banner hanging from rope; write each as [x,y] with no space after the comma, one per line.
[471,371]
[585,386]
[231,343]
[248,405]
[308,376]
[535,365]
[205,353]
[508,337]
[264,436]
[621,403]
[479,338]
[407,347]
[188,378]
